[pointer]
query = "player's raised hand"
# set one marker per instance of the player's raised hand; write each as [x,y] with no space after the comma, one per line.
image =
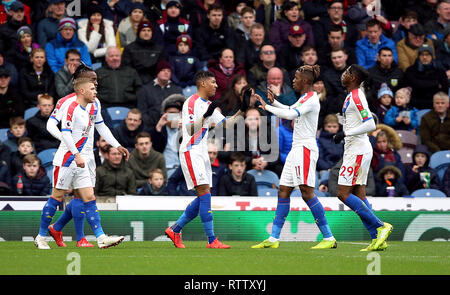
[79,160]
[212,106]
[124,152]
[261,101]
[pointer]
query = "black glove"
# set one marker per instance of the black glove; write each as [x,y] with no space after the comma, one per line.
[338,137]
[212,106]
[246,100]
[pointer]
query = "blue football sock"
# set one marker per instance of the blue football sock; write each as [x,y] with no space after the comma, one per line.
[189,214]
[64,218]
[47,215]
[319,216]
[283,207]
[206,216]
[372,229]
[93,217]
[363,212]
[78,217]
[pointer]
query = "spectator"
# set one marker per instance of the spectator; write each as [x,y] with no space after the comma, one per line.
[112,93]
[268,12]
[237,182]
[442,48]
[166,133]
[212,36]
[172,26]
[24,147]
[144,53]
[235,18]
[390,183]
[285,94]
[435,27]
[224,70]
[401,116]
[309,55]
[335,17]
[156,184]
[267,60]
[446,182]
[144,158]
[368,47]
[184,63]
[408,19]
[336,37]
[127,30]
[363,12]
[384,102]
[319,88]
[290,15]
[48,27]
[114,177]
[10,99]
[153,93]
[250,50]
[16,131]
[34,178]
[5,155]
[97,33]
[63,77]
[199,11]
[385,147]
[65,39]
[336,93]
[435,125]
[36,125]
[8,6]
[291,53]
[425,77]
[426,10]
[126,132]
[8,30]
[408,47]
[5,64]
[231,98]
[247,20]
[385,71]
[419,174]
[101,152]
[24,46]
[36,79]
[5,180]
[330,153]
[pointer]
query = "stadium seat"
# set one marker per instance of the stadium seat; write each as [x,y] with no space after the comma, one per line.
[440,161]
[318,193]
[3,134]
[296,193]
[46,157]
[30,113]
[428,193]
[406,155]
[265,178]
[267,192]
[420,113]
[408,138]
[118,114]
[189,90]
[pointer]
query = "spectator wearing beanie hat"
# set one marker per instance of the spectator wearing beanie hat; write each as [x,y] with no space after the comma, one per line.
[47,28]
[127,30]
[24,46]
[384,101]
[8,30]
[65,39]
[153,93]
[144,53]
[171,26]
[97,33]
[184,64]
[401,116]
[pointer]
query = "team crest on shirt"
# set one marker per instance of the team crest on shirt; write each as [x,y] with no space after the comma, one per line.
[181,28]
[394,82]
[190,60]
[364,113]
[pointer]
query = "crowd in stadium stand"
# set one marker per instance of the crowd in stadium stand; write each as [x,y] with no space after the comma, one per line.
[146,53]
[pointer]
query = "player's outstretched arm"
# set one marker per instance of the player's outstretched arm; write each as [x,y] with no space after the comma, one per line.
[288,114]
[365,127]
[106,133]
[52,128]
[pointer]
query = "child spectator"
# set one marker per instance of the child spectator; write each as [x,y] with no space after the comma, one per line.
[401,116]
[419,174]
[34,178]
[387,142]
[24,147]
[16,131]
[237,182]
[330,153]
[156,185]
[183,63]
[390,184]
[384,101]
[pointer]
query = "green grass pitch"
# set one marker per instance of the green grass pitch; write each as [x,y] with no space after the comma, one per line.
[161,258]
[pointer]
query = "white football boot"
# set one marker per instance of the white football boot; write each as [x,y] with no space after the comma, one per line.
[41,243]
[105,241]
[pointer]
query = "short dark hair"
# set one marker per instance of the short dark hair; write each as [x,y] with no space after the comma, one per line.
[361,73]
[308,47]
[336,28]
[215,6]
[72,51]
[237,157]
[385,48]
[143,134]
[202,75]
[24,139]
[372,22]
